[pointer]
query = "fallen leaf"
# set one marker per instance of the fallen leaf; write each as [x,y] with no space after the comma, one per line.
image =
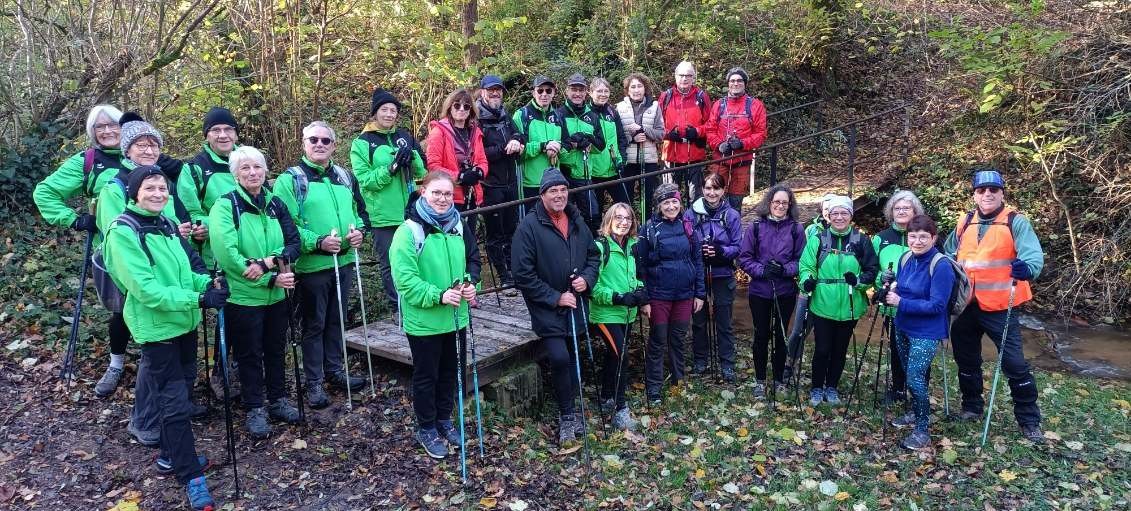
[950,456]
[742,432]
[730,488]
[859,506]
[700,473]
[7,492]
[488,502]
[1006,475]
[841,496]
[828,488]
[1052,435]
[727,394]
[1123,446]
[518,505]
[1074,445]
[458,498]
[298,444]
[569,450]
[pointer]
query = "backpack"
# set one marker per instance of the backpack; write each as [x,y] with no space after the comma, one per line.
[723,109]
[961,292]
[688,230]
[796,231]
[302,185]
[167,228]
[825,238]
[419,237]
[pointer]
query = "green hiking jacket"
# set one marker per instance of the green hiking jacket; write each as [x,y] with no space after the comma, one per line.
[830,299]
[385,196]
[162,298]
[583,120]
[539,126]
[616,275]
[265,230]
[889,244]
[208,177]
[51,194]
[604,164]
[112,201]
[330,204]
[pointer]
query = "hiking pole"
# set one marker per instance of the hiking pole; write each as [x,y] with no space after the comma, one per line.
[580,389]
[889,327]
[223,353]
[622,355]
[459,388]
[945,381]
[364,322]
[68,370]
[852,313]
[863,359]
[773,344]
[292,312]
[1000,355]
[475,375]
[519,170]
[591,197]
[588,339]
[885,337]
[342,325]
[641,181]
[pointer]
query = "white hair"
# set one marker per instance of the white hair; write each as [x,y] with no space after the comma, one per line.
[111,111]
[242,153]
[309,130]
[902,195]
[685,65]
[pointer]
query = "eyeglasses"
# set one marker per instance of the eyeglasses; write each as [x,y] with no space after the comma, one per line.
[736,80]
[779,202]
[461,106]
[544,90]
[621,218]
[437,194]
[685,76]
[323,140]
[145,148]
[111,127]
[222,131]
[919,237]
[987,189]
[903,208]
[840,214]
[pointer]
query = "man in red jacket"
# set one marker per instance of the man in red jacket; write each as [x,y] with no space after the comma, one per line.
[685,109]
[735,127]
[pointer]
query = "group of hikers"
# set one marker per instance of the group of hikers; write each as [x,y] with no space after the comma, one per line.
[173,237]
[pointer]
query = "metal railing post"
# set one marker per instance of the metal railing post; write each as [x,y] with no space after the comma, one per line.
[773,165]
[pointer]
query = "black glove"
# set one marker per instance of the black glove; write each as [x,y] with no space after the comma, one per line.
[887,277]
[673,135]
[773,269]
[1020,270]
[621,299]
[469,175]
[724,148]
[880,296]
[850,278]
[691,134]
[706,248]
[170,166]
[403,158]
[214,298]
[640,296]
[84,222]
[809,285]
[735,144]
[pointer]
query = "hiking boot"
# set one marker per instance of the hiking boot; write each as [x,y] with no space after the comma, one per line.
[699,369]
[256,423]
[1033,433]
[893,396]
[108,383]
[787,372]
[316,396]
[282,410]
[759,389]
[780,387]
[432,443]
[969,416]
[904,421]
[608,406]
[146,438]
[199,410]
[916,441]
[164,466]
[623,420]
[728,375]
[568,428]
[654,399]
[338,381]
[198,496]
[816,396]
[448,432]
[832,397]
[216,382]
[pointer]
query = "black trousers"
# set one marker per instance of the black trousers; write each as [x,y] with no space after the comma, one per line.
[769,324]
[259,338]
[830,349]
[321,324]
[434,366]
[500,225]
[382,239]
[615,362]
[558,351]
[966,334]
[164,362]
[119,333]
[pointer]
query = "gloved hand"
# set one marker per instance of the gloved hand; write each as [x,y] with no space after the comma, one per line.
[809,285]
[470,175]
[887,277]
[580,141]
[403,158]
[620,299]
[773,269]
[880,296]
[719,258]
[170,166]
[640,296]
[673,135]
[214,298]
[735,144]
[691,134]
[850,278]
[84,222]
[1020,270]
[724,148]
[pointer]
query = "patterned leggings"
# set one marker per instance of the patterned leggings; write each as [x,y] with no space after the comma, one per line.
[916,355]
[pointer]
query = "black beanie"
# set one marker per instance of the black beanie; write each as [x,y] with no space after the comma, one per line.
[381,97]
[137,175]
[219,115]
[740,72]
[128,117]
[550,178]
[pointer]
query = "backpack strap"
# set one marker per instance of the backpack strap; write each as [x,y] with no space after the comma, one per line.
[419,236]
[960,229]
[604,249]
[131,222]
[87,169]
[235,198]
[301,185]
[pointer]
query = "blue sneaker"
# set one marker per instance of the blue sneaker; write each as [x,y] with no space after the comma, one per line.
[165,466]
[831,396]
[449,432]
[432,443]
[816,396]
[198,496]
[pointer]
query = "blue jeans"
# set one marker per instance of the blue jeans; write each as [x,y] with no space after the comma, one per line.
[916,355]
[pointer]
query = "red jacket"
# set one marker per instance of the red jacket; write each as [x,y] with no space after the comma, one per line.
[440,154]
[728,117]
[680,111]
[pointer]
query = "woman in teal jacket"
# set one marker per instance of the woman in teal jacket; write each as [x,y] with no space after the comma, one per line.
[146,257]
[436,265]
[253,240]
[837,266]
[616,295]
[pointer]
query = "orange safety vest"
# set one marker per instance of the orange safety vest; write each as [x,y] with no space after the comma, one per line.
[987,262]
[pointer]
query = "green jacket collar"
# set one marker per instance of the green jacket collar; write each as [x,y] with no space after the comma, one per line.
[132,206]
[215,157]
[316,167]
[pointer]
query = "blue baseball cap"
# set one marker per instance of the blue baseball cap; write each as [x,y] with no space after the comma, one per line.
[988,178]
[491,81]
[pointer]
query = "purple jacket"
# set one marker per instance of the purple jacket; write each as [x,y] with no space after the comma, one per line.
[724,228]
[772,240]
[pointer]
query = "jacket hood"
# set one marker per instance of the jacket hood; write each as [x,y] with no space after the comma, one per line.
[699,207]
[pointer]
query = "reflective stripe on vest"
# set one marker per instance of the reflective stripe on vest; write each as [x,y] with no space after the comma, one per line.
[987,262]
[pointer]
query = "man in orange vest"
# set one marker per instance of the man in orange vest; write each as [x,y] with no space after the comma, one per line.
[998,249]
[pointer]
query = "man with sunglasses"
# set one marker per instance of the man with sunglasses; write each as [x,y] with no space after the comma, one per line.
[325,202]
[1001,254]
[504,146]
[582,134]
[544,132]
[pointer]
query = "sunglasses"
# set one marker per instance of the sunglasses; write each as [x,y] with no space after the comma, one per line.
[544,90]
[461,106]
[322,140]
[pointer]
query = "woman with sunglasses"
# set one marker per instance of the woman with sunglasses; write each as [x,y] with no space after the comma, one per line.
[455,146]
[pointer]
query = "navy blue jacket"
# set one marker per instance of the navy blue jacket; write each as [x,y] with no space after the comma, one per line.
[670,259]
[722,226]
[922,311]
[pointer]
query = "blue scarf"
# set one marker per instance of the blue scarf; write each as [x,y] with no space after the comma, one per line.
[446,223]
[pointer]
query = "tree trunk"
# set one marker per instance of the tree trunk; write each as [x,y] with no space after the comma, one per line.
[473,53]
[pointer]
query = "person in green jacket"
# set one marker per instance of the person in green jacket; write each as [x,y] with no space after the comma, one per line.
[85,173]
[581,137]
[616,296]
[890,244]
[543,129]
[209,176]
[164,295]
[608,165]
[837,266]
[820,222]
[387,161]
[326,205]
[435,267]
[254,239]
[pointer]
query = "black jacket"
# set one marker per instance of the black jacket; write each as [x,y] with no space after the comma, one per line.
[498,130]
[542,261]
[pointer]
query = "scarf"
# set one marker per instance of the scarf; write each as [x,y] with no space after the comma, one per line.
[446,223]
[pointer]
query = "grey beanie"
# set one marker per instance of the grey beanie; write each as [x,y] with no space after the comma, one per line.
[664,192]
[550,178]
[133,130]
